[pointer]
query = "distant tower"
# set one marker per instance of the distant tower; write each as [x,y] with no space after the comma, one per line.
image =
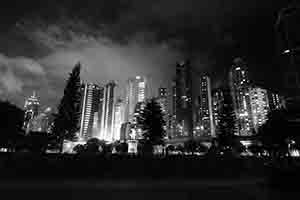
[240,89]
[184,102]
[42,122]
[275,101]
[205,112]
[118,119]
[137,91]
[31,108]
[172,119]
[163,101]
[259,106]
[90,103]
[107,117]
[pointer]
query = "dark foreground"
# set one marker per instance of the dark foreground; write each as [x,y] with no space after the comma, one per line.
[154,190]
[93,177]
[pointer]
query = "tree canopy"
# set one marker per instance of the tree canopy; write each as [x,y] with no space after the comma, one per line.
[152,123]
[66,123]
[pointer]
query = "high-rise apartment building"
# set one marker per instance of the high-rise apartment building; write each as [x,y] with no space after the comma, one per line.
[42,122]
[136,92]
[222,107]
[240,90]
[31,108]
[205,124]
[107,117]
[91,99]
[135,126]
[217,98]
[259,106]
[184,100]
[162,99]
[172,117]
[275,101]
[118,119]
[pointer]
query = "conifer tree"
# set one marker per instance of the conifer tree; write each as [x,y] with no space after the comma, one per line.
[152,123]
[66,122]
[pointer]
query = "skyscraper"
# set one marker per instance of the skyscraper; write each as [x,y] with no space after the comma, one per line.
[240,90]
[163,102]
[172,118]
[135,126]
[136,91]
[184,102]
[275,101]
[222,100]
[163,99]
[31,108]
[42,122]
[91,96]
[259,106]
[118,119]
[107,118]
[205,112]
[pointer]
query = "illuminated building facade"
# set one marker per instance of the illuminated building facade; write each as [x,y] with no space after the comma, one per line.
[163,99]
[217,99]
[259,106]
[184,102]
[91,96]
[137,91]
[31,108]
[135,127]
[222,99]
[275,101]
[240,90]
[172,117]
[118,119]
[163,102]
[125,131]
[205,125]
[42,122]
[107,117]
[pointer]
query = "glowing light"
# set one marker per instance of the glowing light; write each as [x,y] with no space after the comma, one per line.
[287,51]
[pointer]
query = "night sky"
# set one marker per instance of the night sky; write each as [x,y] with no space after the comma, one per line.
[40,41]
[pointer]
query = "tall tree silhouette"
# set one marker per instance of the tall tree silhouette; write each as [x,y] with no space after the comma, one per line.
[66,122]
[152,123]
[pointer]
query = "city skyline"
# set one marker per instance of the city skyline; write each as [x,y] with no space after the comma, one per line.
[110,49]
[150,99]
[103,112]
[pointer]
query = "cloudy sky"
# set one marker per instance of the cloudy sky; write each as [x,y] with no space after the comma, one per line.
[40,41]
